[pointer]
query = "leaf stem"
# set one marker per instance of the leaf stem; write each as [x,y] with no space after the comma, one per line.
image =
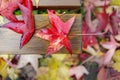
[94,34]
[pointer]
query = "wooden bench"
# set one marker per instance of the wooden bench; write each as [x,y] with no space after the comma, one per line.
[9,40]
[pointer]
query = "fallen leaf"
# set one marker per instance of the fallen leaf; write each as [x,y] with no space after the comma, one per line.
[115,2]
[26,27]
[114,21]
[78,71]
[111,46]
[12,73]
[116,56]
[88,40]
[102,75]
[89,26]
[96,3]
[103,18]
[108,22]
[93,52]
[117,37]
[59,57]
[57,71]
[42,71]
[57,34]
[84,56]
[4,56]
[114,78]
[32,59]
[116,66]
[7,7]
[1,20]
[3,68]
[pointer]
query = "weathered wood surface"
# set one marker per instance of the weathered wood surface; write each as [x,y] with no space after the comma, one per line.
[58,4]
[9,40]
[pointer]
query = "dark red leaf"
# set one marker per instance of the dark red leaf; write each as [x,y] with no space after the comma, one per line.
[108,22]
[114,21]
[15,59]
[84,56]
[103,18]
[98,25]
[87,39]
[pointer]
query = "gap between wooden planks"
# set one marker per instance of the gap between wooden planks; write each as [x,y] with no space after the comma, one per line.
[9,40]
[58,4]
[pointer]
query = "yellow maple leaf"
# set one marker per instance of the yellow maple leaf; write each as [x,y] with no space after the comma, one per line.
[63,73]
[3,68]
[59,57]
[56,69]
[12,73]
[116,66]
[115,2]
[116,56]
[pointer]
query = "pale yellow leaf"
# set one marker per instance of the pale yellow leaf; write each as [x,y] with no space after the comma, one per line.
[93,52]
[116,66]
[1,20]
[3,68]
[12,74]
[117,37]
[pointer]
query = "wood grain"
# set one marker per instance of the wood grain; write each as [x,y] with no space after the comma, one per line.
[58,4]
[9,40]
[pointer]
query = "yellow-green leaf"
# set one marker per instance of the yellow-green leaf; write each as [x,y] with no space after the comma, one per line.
[116,56]
[115,2]
[3,68]
[116,66]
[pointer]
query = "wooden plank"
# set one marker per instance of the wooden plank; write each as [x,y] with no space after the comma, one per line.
[9,40]
[58,4]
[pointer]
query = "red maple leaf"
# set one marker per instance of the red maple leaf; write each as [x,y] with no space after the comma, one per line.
[88,39]
[57,34]
[84,56]
[114,21]
[7,7]
[89,26]
[26,26]
[108,22]
[103,18]
[97,25]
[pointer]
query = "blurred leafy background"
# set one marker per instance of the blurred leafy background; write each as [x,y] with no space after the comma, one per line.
[17,12]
